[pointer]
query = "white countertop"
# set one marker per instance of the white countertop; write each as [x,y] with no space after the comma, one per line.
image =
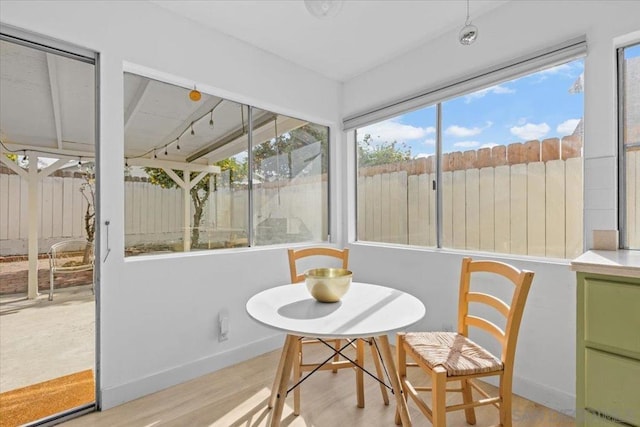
[616,263]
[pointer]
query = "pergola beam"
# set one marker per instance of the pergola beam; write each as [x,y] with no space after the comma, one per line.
[55,96]
[135,102]
[13,166]
[168,164]
[51,152]
[186,184]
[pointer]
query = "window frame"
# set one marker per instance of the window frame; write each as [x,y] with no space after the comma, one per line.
[436,98]
[166,78]
[622,151]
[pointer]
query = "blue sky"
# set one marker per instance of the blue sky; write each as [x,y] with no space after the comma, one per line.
[537,106]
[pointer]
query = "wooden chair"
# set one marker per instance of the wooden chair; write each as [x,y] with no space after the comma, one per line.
[341,256]
[450,356]
[69,256]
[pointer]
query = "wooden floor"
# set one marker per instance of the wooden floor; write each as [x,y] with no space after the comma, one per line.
[237,396]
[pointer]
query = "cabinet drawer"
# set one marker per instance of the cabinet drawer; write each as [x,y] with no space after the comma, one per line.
[612,314]
[611,385]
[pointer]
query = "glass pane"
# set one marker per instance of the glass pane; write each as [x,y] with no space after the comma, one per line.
[631,141]
[290,163]
[512,166]
[186,169]
[396,202]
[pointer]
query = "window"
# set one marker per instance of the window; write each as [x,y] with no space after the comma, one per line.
[396,171]
[510,168]
[629,136]
[289,179]
[188,184]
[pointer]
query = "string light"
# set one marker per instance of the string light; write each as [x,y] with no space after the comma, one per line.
[189,128]
[166,153]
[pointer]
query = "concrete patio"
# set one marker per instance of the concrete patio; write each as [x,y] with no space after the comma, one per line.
[41,340]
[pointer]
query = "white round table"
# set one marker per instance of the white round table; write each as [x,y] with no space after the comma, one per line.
[365,311]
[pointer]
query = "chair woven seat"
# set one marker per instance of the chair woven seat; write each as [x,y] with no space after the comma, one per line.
[454,352]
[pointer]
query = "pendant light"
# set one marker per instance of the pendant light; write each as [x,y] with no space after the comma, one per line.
[195,94]
[468,33]
[323,8]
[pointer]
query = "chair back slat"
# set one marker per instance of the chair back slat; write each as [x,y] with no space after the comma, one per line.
[488,326]
[295,255]
[501,306]
[513,312]
[497,267]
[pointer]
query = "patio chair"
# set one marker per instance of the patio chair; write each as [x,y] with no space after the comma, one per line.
[70,256]
[451,356]
[342,256]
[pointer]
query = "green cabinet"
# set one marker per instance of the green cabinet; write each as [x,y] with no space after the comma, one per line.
[608,350]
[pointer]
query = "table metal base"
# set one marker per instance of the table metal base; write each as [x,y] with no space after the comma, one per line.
[286,364]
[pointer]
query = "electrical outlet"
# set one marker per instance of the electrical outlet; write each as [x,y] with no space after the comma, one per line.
[223,326]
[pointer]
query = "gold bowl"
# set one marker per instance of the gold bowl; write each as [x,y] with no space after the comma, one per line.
[328,284]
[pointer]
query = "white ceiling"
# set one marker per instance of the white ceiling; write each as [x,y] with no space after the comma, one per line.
[362,36]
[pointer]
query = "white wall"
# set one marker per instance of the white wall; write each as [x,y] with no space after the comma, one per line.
[545,358]
[159,316]
[545,364]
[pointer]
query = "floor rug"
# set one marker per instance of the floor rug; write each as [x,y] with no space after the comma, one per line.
[31,403]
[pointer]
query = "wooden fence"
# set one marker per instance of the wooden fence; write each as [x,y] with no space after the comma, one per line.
[521,198]
[154,215]
[633,198]
[532,207]
[528,209]
[62,213]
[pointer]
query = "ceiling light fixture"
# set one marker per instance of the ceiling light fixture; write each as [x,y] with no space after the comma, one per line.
[195,94]
[323,8]
[468,33]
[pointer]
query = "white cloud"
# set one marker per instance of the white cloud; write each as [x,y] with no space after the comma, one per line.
[463,132]
[466,144]
[530,131]
[567,127]
[558,69]
[392,130]
[497,89]
[489,145]
[570,70]
[430,141]
[423,155]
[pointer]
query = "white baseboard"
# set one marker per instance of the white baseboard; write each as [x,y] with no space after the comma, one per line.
[555,399]
[558,400]
[118,395]
[552,398]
